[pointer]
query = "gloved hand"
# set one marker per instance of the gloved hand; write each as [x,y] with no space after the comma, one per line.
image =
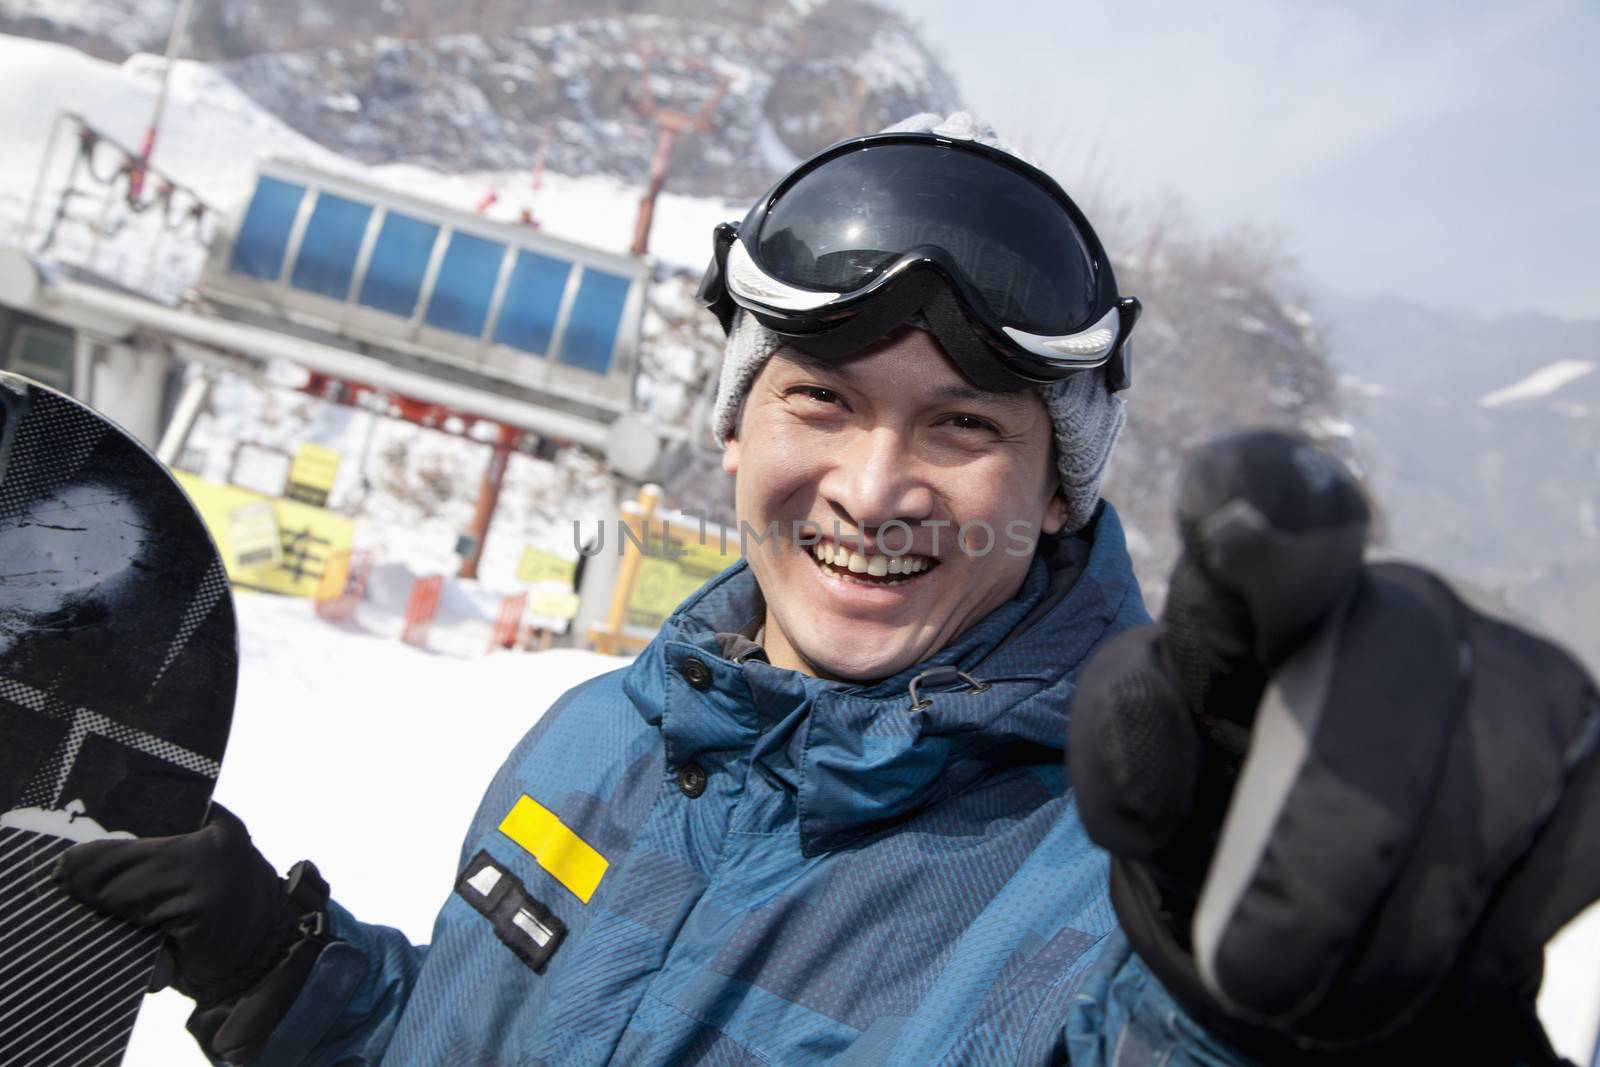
[1346,810]
[225,911]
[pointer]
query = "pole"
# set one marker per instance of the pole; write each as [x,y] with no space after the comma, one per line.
[488,498]
[665,142]
[607,637]
[537,177]
[38,184]
[136,178]
[190,404]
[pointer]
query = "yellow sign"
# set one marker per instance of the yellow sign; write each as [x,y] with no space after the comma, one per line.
[306,536]
[253,535]
[335,576]
[670,572]
[539,566]
[554,604]
[312,474]
[570,859]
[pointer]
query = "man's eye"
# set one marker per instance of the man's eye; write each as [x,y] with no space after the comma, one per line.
[971,423]
[817,393]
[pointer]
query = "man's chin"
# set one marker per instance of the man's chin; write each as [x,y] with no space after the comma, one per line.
[871,664]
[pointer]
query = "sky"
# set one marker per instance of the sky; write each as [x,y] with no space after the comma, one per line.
[1447,151]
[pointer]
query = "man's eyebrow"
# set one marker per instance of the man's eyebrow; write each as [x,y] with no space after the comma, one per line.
[953,393]
[815,364]
[966,393]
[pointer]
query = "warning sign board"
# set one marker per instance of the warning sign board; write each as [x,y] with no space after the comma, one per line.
[312,474]
[253,535]
[669,573]
[553,604]
[306,536]
[538,566]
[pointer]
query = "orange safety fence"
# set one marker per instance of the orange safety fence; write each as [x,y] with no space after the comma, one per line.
[343,583]
[421,608]
[508,623]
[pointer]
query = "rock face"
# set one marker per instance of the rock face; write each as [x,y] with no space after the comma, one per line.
[486,83]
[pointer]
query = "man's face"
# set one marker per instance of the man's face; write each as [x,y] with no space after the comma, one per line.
[895,433]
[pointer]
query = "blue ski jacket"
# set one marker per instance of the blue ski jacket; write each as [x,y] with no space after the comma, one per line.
[705,859]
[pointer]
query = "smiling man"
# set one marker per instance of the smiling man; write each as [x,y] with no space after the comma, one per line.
[884,461]
[826,816]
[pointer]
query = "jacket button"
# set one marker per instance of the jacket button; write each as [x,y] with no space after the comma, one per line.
[691,779]
[697,674]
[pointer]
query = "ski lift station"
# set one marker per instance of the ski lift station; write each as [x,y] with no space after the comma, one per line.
[357,284]
[439,316]
[490,306]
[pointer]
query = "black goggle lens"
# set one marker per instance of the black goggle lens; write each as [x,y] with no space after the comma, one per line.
[843,223]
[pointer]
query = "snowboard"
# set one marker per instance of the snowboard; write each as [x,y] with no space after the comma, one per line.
[118,661]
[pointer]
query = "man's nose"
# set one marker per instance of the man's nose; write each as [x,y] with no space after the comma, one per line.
[877,477]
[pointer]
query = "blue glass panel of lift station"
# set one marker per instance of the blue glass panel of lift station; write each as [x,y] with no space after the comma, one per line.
[533,299]
[465,285]
[399,262]
[328,249]
[593,324]
[264,233]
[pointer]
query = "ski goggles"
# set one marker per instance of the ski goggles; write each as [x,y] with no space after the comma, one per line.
[982,249]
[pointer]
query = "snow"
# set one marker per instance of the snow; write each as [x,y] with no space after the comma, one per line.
[894,62]
[772,148]
[210,141]
[1356,387]
[1542,382]
[130,23]
[368,757]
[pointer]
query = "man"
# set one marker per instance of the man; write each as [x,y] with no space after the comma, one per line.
[824,817]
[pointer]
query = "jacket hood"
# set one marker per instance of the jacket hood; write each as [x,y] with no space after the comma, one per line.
[859,757]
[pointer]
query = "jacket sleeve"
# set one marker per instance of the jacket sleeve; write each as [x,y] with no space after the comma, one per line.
[1123,1017]
[348,1009]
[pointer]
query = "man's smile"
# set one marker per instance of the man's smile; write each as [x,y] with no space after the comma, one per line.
[869,568]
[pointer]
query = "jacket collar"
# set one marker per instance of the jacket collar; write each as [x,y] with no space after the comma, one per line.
[858,757]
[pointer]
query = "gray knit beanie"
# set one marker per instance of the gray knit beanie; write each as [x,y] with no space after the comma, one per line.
[1086,416]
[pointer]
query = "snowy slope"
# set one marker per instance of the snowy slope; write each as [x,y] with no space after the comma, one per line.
[1541,383]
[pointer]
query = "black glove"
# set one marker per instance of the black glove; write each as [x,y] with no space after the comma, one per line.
[223,908]
[1346,810]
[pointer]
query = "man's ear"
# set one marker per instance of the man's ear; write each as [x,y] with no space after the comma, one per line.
[1056,512]
[730,455]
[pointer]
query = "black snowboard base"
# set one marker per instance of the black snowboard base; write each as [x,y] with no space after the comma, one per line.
[118,661]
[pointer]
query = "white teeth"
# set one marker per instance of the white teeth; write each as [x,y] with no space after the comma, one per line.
[876,566]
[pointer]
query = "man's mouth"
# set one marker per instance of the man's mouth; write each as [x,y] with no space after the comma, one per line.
[869,568]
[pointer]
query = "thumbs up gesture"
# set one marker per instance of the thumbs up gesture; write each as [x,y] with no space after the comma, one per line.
[1346,808]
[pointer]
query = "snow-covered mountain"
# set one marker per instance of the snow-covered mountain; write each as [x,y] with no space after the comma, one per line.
[493,86]
[1481,438]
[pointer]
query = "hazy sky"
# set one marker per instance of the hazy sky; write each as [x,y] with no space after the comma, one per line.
[1447,150]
